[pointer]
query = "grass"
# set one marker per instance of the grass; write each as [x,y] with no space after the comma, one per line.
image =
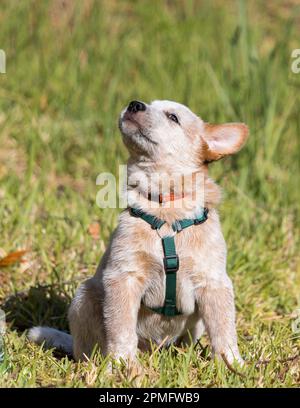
[70,70]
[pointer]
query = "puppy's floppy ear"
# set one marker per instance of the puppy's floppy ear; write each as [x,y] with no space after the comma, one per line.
[222,140]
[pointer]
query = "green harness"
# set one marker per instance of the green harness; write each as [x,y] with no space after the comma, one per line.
[171,260]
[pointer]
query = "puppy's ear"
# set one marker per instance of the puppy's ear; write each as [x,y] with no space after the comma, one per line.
[222,140]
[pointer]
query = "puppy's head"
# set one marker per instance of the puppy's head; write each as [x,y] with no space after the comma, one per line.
[168,131]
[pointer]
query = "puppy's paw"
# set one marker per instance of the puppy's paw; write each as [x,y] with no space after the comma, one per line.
[231,358]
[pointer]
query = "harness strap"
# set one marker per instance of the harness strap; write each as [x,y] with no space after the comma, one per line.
[171,260]
[171,265]
[155,222]
[188,222]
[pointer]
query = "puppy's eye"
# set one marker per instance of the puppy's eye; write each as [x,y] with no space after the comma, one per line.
[173,117]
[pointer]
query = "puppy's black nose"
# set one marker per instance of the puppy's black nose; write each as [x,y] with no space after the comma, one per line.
[136,106]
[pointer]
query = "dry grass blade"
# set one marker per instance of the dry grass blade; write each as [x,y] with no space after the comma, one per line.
[159,347]
[229,366]
[282,361]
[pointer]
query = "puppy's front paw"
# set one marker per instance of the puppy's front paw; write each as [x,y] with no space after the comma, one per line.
[233,358]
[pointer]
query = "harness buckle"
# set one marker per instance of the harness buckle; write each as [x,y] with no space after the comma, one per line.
[171,263]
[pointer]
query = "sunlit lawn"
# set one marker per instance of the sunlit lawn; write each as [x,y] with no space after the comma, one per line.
[69,73]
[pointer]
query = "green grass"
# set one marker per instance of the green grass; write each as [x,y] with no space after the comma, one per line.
[69,73]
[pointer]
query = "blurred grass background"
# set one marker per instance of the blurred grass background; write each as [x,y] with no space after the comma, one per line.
[71,67]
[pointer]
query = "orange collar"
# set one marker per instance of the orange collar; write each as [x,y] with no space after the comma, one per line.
[164,198]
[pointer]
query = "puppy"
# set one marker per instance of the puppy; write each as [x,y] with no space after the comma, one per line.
[114,309]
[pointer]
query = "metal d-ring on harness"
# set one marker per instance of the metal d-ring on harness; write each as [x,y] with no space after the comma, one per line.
[171,260]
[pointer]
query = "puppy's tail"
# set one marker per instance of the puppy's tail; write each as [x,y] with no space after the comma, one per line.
[52,338]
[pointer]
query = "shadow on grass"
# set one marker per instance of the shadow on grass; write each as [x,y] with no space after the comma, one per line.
[40,305]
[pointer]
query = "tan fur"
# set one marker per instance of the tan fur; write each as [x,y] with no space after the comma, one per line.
[108,310]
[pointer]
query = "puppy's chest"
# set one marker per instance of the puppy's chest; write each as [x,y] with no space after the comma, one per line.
[150,262]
